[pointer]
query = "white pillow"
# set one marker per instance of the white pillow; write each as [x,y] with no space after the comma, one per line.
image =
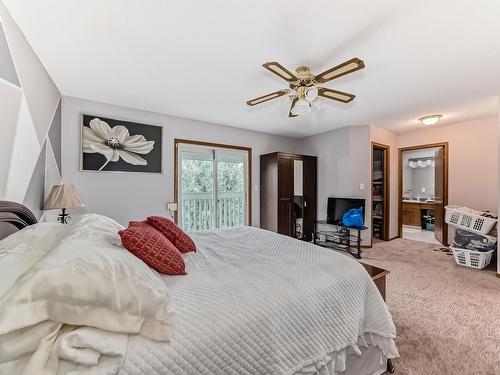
[89,279]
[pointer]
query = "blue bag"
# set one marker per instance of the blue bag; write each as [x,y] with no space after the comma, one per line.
[353,217]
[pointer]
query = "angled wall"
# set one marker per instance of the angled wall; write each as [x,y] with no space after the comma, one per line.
[30,134]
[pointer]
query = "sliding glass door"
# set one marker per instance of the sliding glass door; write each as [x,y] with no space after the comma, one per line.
[212,187]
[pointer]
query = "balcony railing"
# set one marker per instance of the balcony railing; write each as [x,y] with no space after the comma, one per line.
[198,211]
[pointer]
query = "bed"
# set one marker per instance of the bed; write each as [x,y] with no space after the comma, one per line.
[255,302]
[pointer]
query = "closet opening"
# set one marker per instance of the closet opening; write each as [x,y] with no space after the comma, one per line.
[380,192]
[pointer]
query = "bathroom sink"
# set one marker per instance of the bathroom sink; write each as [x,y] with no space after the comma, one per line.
[418,200]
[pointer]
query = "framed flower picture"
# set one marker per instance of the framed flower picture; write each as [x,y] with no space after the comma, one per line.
[120,146]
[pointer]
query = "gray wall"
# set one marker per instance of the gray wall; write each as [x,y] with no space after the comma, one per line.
[130,196]
[30,143]
[343,164]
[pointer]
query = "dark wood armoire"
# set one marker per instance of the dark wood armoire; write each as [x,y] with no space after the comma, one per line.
[288,193]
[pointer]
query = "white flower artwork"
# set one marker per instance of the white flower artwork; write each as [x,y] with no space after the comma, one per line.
[114,143]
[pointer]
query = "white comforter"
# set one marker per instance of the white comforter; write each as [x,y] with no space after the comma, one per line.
[71,295]
[255,302]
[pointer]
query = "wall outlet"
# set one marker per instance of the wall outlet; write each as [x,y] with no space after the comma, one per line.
[423,190]
[172,206]
[362,187]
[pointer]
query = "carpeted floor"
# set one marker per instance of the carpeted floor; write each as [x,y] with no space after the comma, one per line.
[447,316]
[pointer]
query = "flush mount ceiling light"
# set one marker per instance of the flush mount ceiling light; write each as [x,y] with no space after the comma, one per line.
[304,89]
[430,120]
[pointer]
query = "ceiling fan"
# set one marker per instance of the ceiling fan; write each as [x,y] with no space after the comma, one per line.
[304,89]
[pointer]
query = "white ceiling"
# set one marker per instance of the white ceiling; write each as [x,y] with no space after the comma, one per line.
[202,59]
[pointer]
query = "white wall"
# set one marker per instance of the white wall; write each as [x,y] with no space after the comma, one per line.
[343,164]
[473,160]
[128,196]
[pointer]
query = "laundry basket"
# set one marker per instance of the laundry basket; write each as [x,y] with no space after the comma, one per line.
[472,259]
[466,218]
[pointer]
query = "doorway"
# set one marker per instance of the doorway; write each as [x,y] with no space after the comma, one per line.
[423,192]
[212,185]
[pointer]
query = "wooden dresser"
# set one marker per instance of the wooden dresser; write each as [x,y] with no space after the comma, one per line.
[378,276]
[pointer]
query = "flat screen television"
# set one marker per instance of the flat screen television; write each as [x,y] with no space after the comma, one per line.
[339,206]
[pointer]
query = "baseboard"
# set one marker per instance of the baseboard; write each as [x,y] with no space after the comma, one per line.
[390,239]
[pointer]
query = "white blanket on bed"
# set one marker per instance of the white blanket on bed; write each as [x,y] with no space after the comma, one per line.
[72,350]
[71,295]
[255,302]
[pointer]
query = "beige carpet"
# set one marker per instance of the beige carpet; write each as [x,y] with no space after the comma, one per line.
[447,316]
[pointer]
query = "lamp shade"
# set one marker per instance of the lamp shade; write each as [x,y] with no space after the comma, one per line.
[63,196]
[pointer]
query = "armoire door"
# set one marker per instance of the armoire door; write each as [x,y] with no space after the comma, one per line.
[285,194]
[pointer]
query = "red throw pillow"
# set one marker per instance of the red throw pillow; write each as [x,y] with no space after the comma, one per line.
[173,233]
[137,223]
[148,244]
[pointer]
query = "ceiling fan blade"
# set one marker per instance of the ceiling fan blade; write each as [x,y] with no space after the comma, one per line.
[335,95]
[340,70]
[290,114]
[265,98]
[280,70]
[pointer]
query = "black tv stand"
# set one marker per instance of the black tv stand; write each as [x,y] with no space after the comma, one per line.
[339,237]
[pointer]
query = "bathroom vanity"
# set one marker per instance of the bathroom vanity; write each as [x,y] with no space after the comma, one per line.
[414,211]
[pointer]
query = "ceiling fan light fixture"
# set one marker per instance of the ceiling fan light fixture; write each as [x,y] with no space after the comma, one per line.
[301,107]
[318,102]
[311,94]
[304,92]
[430,120]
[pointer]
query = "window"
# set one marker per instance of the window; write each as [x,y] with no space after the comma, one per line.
[212,185]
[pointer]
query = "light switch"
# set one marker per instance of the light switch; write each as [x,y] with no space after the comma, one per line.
[361,187]
[423,190]
[172,206]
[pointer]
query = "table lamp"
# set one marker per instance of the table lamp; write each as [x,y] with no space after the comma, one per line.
[62,197]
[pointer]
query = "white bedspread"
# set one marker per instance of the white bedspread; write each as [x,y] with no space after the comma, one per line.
[255,302]
[73,350]
[71,295]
